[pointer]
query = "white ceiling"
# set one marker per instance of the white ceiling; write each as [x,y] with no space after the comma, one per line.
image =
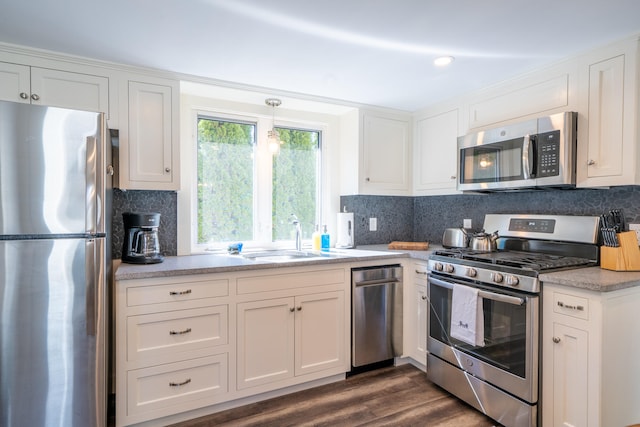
[375,52]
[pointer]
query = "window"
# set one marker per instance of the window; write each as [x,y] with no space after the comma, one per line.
[246,194]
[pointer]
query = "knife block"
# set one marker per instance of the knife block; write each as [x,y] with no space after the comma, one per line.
[626,257]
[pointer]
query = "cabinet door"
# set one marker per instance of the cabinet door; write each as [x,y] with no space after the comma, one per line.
[570,373]
[437,147]
[150,136]
[385,151]
[319,332]
[422,307]
[15,83]
[69,90]
[265,341]
[606,100]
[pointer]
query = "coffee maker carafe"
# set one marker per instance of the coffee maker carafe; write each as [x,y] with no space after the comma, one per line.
[141,244]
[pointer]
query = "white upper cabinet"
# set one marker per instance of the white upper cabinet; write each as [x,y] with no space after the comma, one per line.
[384,155]
[55,88]
[149,136]
[608,140]
[435,160]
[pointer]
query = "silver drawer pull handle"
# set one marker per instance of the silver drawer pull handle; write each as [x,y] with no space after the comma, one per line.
[571,307]
[185,382]
[186,331]
[188,291]
[420,272]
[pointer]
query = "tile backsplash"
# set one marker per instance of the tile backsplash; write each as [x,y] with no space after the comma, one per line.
[163,202]
[404,218]
[428,216]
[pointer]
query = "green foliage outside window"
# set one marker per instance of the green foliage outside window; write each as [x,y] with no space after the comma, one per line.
[295,183]
[226,182]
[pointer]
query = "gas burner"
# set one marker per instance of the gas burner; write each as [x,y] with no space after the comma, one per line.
[525,260]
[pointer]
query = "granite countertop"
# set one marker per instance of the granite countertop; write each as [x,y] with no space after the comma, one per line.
[591,278]
[594,279]
[220,263]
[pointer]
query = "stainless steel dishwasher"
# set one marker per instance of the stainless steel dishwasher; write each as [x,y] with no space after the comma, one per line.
[376,314]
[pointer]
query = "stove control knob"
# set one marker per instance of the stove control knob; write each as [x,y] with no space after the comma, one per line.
[438,266]
[472,272]
[497,277]
[512,281]
[449,268]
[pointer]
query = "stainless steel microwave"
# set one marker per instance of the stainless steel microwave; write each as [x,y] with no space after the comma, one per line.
[536,153]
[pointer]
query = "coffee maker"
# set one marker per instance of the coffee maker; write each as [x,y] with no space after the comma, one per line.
[141,244]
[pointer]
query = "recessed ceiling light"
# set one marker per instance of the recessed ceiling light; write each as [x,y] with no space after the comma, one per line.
[443,60]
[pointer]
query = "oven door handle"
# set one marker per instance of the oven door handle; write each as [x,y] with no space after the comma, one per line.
[484,294]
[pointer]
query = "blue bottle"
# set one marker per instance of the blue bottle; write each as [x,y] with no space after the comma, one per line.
[324,239]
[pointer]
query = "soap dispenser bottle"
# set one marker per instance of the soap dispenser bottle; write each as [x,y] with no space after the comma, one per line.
[315,239]
[324,239]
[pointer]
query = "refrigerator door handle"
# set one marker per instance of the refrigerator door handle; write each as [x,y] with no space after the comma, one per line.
[92,280]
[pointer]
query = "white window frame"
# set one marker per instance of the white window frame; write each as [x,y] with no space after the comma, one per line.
[263,174]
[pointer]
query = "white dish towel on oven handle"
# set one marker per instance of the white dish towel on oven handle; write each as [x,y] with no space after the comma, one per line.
[467,321]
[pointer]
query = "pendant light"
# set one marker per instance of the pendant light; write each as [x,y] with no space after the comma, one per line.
[273,137]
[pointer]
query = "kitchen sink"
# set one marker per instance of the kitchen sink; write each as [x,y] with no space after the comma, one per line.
[283,255]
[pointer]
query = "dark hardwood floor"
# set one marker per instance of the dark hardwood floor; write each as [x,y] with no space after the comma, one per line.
[391,396]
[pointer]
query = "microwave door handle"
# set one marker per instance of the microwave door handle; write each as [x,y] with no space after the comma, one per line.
[484,294]
[527,157]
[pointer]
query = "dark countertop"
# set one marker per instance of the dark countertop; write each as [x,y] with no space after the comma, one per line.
[220,263]
[591,278]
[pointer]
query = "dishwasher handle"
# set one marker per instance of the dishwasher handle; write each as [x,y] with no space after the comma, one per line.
[377,282]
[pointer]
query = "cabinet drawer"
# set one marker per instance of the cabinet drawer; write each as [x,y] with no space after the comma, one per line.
[182,291]
[571,305]
[265,283]
[190,384]
[158,334]
[420,271]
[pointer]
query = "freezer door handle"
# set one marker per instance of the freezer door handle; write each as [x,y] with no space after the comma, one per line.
[91,181]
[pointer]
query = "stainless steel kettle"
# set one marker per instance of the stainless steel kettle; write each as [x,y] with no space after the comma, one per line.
[483,241]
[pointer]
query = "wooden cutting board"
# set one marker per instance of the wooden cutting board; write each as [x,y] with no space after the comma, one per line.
[409,246]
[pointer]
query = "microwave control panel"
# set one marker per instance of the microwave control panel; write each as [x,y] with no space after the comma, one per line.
[548,144]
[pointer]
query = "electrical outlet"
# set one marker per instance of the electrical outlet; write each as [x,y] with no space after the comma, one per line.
[373,224]
[466,223]
[636,228]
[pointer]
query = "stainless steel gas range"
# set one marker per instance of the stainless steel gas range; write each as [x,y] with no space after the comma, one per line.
[483,338]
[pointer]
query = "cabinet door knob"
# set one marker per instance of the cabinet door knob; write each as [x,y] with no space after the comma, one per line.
[24,95]
[423,297]
[367,179]
[453,177]
[591,162]
[35,97]
[167,170]
[292,309]
[299,307]
[556,340]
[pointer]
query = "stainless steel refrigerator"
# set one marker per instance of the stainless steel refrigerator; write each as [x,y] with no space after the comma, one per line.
[54,268]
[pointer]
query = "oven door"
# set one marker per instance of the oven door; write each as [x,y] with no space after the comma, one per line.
[509,357]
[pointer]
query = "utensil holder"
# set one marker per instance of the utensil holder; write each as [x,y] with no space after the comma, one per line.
[626,257]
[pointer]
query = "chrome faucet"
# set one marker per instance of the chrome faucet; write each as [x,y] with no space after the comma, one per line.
[296,223]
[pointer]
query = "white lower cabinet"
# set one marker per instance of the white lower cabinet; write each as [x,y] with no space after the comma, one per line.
[417,314]
[195,344]
[172,346]
[285,337]
[190,384]
[590,353]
